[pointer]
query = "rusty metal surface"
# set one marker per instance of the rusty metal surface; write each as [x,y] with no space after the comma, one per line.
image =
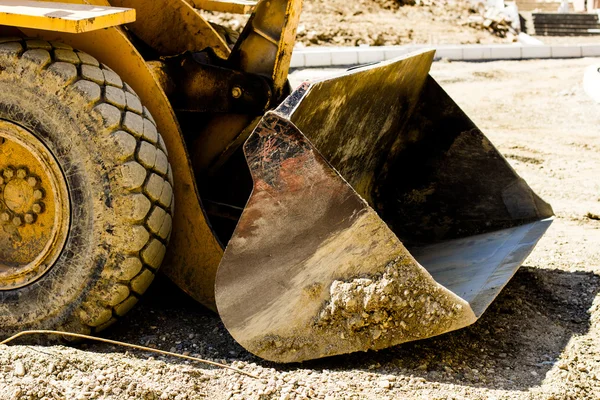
[34,207]
[373,140]
[194,253]
[321,260]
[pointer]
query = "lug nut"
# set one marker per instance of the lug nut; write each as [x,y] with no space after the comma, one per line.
[8,173]
[37,208]
[236,92]
[29,218]
[17,221]
[4,217]
[38,194]
[32,181]
[21,173]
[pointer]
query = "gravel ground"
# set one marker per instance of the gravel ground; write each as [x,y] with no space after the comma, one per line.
[540,339]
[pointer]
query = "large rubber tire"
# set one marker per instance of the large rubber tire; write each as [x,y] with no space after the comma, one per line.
[118,178]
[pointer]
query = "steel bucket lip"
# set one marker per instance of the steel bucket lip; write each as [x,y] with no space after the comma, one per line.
[483,274]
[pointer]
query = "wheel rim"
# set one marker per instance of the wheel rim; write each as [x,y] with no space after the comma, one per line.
[34,207]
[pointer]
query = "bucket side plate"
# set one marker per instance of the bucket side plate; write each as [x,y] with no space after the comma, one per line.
[312,271]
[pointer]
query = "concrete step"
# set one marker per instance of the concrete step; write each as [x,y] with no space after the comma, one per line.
[560,24]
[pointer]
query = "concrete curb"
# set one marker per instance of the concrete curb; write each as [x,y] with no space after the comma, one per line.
[333,56]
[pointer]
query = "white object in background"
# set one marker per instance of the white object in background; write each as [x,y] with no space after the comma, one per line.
[528,40]
[497,4]
[591,82]
[564,6]
[512,12]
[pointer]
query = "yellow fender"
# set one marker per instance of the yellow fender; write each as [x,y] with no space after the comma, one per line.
[173,26]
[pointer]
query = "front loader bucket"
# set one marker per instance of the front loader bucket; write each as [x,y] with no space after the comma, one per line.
[380,214]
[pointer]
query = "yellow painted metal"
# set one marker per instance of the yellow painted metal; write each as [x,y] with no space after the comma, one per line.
[194,253]
[265,48]
[173,26]
[218,134]
[62,17]
[266,44]
[232,6]
[34,207]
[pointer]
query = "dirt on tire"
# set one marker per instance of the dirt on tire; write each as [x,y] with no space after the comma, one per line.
[119,179]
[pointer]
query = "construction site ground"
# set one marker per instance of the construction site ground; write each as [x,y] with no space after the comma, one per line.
[540,339]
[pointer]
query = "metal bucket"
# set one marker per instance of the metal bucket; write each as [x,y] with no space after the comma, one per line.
[380,214]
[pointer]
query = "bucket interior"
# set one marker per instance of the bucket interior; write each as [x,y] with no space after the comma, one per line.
[440,185]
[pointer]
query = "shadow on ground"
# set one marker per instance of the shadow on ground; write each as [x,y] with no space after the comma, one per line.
[514,344]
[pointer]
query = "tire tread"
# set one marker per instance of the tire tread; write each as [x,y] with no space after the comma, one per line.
[134,134]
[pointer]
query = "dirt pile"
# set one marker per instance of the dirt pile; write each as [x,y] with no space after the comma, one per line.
[395,305]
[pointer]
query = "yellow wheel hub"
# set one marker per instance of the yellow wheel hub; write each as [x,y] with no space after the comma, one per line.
[34,207]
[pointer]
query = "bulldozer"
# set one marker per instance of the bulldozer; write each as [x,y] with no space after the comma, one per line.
[351,213]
